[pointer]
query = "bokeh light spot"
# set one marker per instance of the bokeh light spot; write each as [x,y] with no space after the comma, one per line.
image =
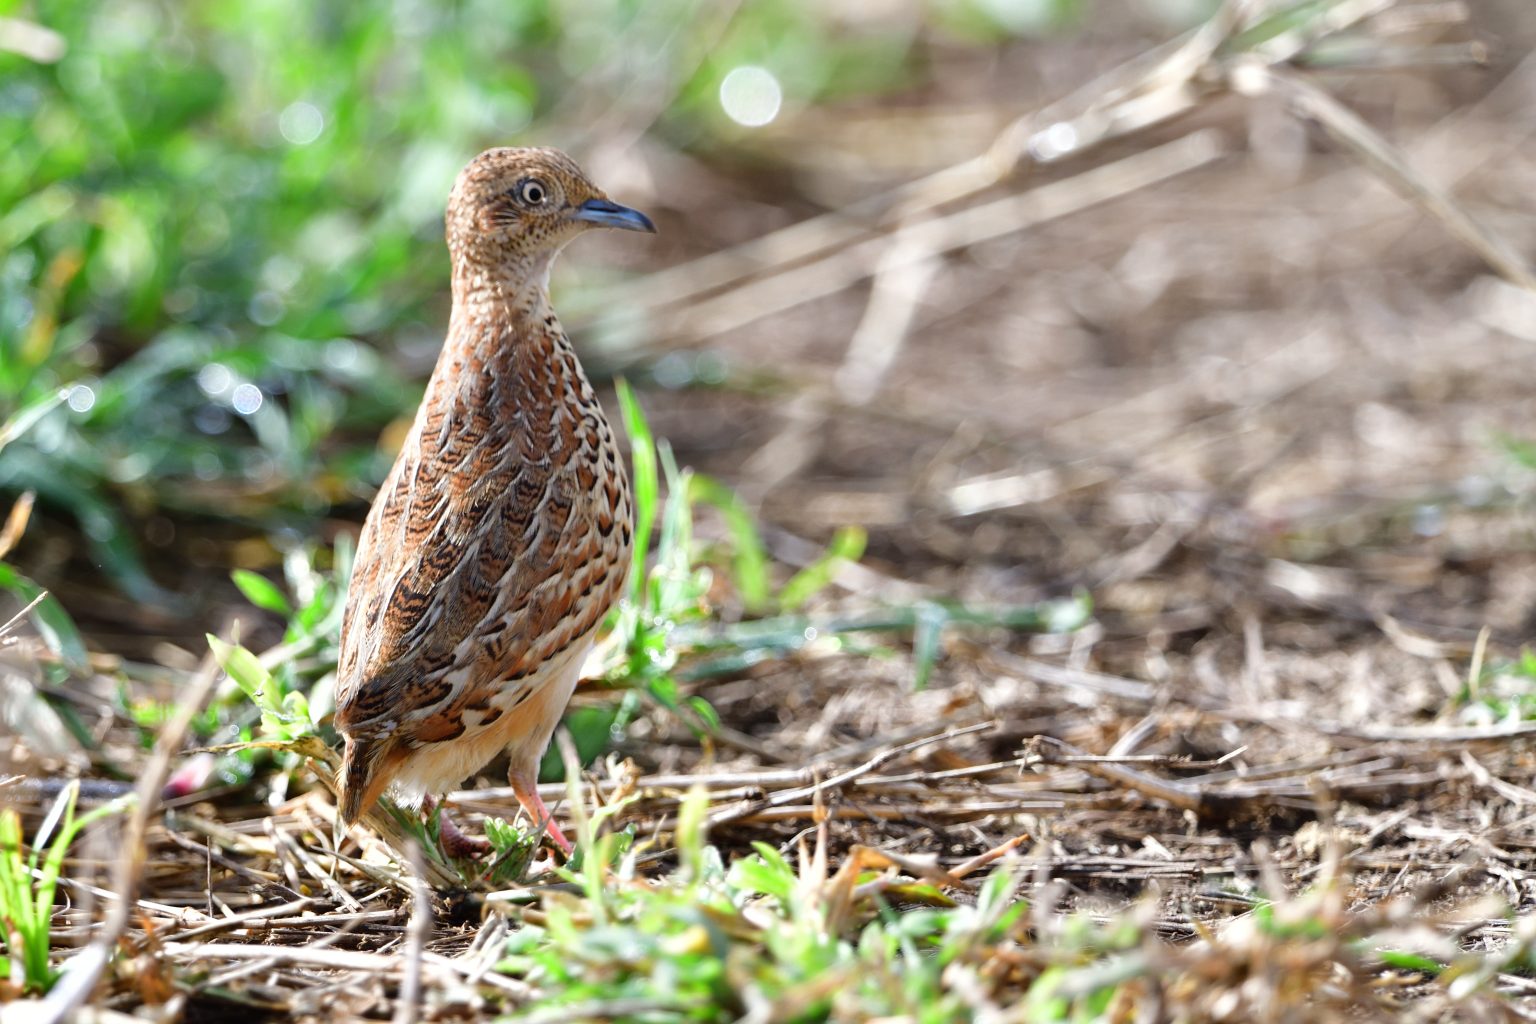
[246,399]
[1054,141]
[301,123]
[214,379]
[266,308]
[751,96]
[81,398]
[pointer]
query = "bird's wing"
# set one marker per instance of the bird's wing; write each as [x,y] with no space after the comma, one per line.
[492,547]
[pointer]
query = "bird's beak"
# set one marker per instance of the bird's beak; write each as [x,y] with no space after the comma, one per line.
[607,214]
[363,778]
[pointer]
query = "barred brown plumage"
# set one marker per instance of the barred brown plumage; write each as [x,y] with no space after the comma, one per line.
[490,554]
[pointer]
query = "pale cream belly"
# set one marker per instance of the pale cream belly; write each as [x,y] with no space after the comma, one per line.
[523,730]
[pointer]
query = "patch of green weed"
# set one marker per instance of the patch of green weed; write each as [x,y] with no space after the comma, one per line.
[29,881]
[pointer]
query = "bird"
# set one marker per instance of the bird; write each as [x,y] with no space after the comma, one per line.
[503,533]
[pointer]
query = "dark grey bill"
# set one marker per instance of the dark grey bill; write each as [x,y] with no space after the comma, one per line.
[609,214]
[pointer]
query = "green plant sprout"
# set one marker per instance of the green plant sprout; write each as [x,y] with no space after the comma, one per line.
[29,880]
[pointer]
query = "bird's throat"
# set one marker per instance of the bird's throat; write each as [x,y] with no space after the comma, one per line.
[505,291]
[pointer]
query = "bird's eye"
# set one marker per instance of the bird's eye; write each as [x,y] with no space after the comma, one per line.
[531,191]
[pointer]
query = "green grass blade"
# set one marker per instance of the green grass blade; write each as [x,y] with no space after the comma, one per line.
[847,545]
[750,560]
[927,634]
[644,481]
[53,623]
[26,418]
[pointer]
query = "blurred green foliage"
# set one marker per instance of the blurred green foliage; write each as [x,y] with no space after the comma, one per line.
[215,218]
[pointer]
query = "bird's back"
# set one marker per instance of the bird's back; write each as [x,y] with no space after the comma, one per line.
[500,538]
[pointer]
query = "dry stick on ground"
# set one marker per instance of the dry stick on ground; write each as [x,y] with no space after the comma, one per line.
[757,807]
[1518,795]
[1182,795]
[408,1007]
[207,850]
[294,849]
[1359,847]
[656,792]
[262,917]
[1387,162]
[970,226]
[323,763]
[81,973]
[916,735]
[322,958]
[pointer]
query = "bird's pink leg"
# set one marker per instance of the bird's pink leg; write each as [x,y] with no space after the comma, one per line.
[528,795]
[451,838]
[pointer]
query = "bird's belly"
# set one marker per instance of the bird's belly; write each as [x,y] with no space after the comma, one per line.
[528,715]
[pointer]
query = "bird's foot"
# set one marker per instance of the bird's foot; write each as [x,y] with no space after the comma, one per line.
[527,793]
[454,841]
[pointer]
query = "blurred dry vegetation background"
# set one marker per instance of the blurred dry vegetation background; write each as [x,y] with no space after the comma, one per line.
[1217,317]
[221,228]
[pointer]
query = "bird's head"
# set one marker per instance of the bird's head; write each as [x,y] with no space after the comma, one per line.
[513,209]
[370,760]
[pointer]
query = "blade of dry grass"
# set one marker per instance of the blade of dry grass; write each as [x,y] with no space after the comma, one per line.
[82,972]
[418,931]
[1387,162]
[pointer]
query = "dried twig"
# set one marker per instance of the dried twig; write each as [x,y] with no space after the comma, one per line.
[82,972]
[408,1006]
[756,807]
[800,284]
[1387,162]
[16,524]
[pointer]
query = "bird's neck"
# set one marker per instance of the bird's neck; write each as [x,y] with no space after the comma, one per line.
[503,339]
[501,293]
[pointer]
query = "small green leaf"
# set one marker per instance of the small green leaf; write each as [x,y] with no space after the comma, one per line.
[919,892]
[759,875]
[847,546]
[750,559]
[248,673]
[261,592]
[1404,960]
[53,623]
[708,716]
[664,691]
[296,707]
